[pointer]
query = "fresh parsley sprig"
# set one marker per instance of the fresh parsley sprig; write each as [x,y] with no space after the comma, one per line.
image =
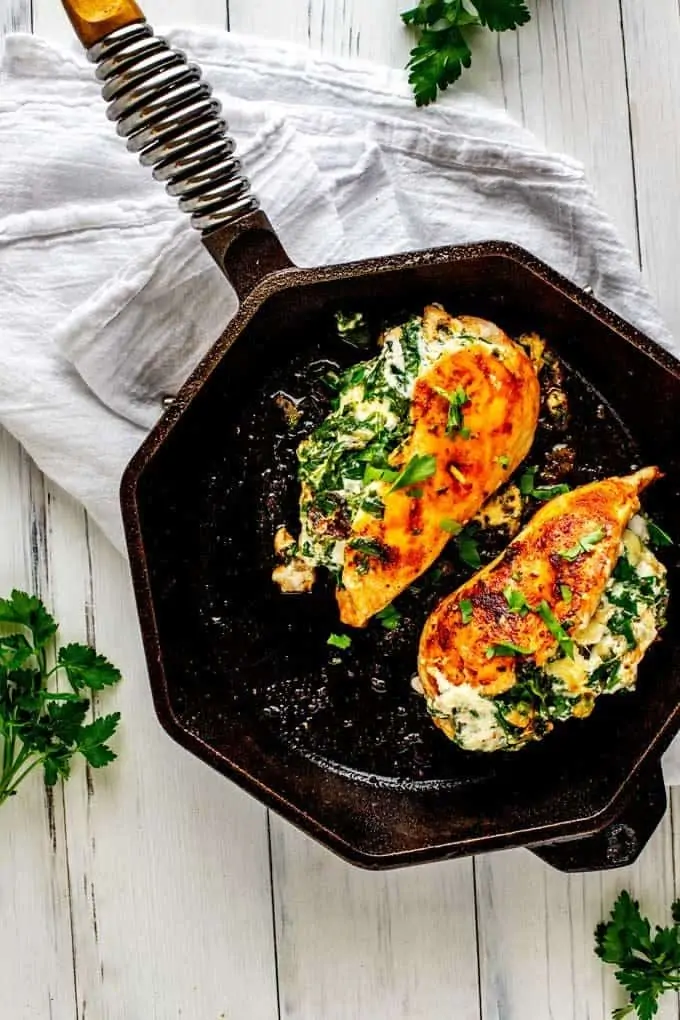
[442,52]
[647,964]
[419,469]
[40,725]
[528,487]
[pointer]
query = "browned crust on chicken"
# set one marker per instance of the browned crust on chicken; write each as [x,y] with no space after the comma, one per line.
[532,565]
[502,415]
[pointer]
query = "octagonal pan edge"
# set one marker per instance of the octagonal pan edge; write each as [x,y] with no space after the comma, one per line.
[373,844]
[182,506]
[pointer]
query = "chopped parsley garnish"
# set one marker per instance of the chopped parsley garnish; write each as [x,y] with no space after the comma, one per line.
[372,504]
[657,536]
[516,601]
[624,569]
[369,547]
[526,482]
[504,461]
[375,474]
[389,617]
[457,401]
[448,524]
[565,592]
[528,487]
[419,469]
[555,628]
[584,545]
[465,610]
[352,329]
[506,648]
[622,623]
[467,549]
[339,641]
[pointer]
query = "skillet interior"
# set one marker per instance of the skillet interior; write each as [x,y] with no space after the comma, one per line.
[249,671]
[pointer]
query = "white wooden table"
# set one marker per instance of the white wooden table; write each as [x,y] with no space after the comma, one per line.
[161,891]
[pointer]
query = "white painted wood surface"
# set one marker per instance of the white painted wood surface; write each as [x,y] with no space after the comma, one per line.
[157,892]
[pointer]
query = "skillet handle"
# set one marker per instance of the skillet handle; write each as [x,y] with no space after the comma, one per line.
[247,251]
[169,117]
[620,843]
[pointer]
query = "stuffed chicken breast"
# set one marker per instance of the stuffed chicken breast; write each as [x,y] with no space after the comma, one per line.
[565,614]
[419,439]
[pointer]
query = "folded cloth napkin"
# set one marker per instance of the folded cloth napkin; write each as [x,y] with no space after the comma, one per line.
[99,270]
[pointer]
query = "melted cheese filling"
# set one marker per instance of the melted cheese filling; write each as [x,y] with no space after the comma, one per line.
[372,413]
[608,649]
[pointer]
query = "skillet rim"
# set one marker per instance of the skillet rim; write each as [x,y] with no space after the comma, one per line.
[273,283]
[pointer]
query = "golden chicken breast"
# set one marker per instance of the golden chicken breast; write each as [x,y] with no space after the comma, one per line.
[420,438]
[565,613]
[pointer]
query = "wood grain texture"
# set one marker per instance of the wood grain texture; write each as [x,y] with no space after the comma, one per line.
[353,945]
[557,75]
[169,864]
[16,16]
[36,964]
[144,892]
[536,932]
[652,33]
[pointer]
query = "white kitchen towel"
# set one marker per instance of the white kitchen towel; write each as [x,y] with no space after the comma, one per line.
[99,271]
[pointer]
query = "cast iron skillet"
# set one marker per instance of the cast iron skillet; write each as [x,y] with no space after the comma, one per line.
[242,676]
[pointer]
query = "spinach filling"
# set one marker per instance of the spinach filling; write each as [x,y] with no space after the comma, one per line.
[343,459]
[531,706]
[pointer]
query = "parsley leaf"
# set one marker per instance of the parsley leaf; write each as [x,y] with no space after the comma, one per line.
[28,611]
[657,536]
[555,628]
[339,641]
[501,15]
[585,544]
[448,524]
[467,549]
[389,617]
[352,329]
[506,648]
[443,51]
[85,668]
[419,468]
[457,401]
[516,601]
[465,610]
[647,965]
[92,740]
[41,725]
[543,492]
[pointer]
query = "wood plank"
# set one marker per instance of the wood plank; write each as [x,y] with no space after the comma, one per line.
[354,945]
[382,945]
[536,932]
[51,22]
[163,852]
[36,969]
[16,16]
[652,36]
[561,75]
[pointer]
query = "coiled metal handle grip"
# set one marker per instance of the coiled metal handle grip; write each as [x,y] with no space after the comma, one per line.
[169,117]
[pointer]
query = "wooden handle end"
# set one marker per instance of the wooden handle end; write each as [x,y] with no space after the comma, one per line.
[94,19]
